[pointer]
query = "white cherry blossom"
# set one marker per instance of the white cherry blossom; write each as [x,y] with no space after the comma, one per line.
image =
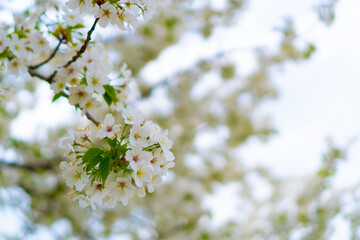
[121,190]
[138,135]
[96,81]
[107,14]
[108,128]
[18,46]
[4,40]
[17,65]
[132,116]
[137,156]
[79,95]
[141,174]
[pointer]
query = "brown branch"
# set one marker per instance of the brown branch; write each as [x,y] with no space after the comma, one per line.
[50,79]
[91,118]
[33,73]
[27,167]
[50,57]
[84,46]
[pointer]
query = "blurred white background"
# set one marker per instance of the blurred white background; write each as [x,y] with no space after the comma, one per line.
[318,98]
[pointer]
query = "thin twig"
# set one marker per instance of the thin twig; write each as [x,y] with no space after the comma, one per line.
[91,118]
[33,73]
[50,57]
[84,46]
[50,79]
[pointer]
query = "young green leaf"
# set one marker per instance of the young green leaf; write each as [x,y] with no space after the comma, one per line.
[121,149]
[110,94]
[91,154]
[111,142]
[104,168]
[93,162]
[58,95]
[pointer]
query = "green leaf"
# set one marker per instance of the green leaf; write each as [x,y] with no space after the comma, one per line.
[91,154]
[21,34]
[93,162]
[111,142]
[104,168]
[110,94]
[309,51]
[58,95]
[107,99]
[77,26]
[121,149]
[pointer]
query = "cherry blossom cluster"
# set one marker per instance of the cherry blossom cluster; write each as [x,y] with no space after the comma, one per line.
[123,13]
[86,83]
[125,155]
[23,45]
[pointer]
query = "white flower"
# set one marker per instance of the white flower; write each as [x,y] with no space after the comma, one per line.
[84,6]
[74,176]
[84,201]
[79,95]
[17,65]
[164,141]
[165,165]
[107,14]
[108,128]
[97,192]
[148,7]
[83,134]
[128,18]
[69,74]
[39,44]
[142,173]
[96,60]
[92,106]
[121,190]
[96,81]
[4,41]
[132,116]
[138,156]
[72,18]
[169,156]
[154,132]
[141,192]
[157,159]
[58,85]
[155,181]
[18,46]
[125,72]
[138,135]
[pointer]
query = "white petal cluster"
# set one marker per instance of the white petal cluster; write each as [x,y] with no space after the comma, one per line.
[85,81]
[136,169]
[21,49]
[125,154]
[125,14]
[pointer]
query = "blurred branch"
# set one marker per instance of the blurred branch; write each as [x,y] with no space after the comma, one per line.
[84,46]
[50,57]
[28,167]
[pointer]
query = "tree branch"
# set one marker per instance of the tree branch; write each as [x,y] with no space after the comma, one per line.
[49,58]
[84,46]
[50,79]
[91,118]
[32,168]
[33,73]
